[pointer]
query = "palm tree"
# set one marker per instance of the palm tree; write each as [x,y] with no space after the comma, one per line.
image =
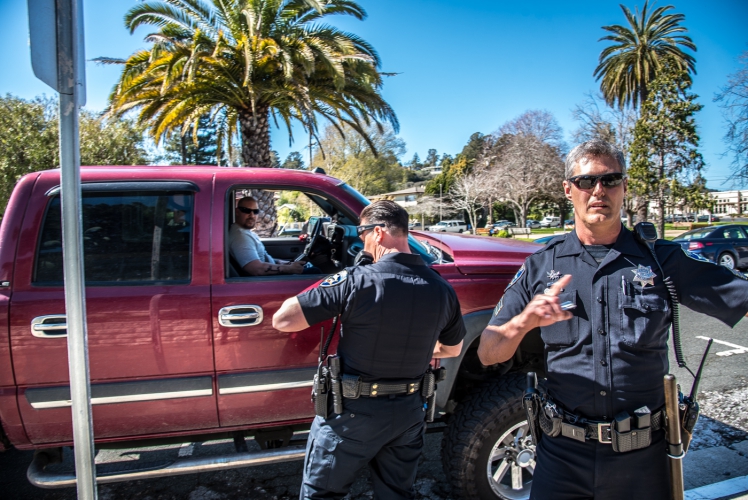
[243,62]
[639,53]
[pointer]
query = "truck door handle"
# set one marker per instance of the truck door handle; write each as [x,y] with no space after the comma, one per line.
[54,326]
[240,316]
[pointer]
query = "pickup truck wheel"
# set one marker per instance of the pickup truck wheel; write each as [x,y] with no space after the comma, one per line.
[487,451]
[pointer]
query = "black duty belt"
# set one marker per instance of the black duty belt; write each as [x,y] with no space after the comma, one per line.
[354,387]
[600,431]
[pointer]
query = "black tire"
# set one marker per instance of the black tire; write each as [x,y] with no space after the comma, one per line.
[490,426]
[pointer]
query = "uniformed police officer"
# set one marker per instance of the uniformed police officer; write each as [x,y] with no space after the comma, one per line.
[396,315]
[608,354]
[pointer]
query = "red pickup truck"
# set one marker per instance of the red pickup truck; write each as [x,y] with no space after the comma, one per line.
[181,344]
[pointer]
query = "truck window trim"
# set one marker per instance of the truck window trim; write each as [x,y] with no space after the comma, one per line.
[132,186]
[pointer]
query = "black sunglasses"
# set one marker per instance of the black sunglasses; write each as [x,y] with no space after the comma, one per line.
[590,181]
[248,211]
[362,229]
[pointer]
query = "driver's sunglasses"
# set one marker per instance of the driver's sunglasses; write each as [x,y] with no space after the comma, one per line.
[248,211]
[590,181]
[362,229]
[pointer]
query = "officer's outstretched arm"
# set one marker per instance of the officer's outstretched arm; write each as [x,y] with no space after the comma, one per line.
[499,343]
[290,317]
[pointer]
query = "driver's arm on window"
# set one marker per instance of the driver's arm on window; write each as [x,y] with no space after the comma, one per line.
[259,268]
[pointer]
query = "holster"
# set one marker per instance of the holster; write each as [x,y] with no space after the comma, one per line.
[428,389]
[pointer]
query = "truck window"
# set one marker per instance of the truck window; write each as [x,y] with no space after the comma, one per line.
[128,237]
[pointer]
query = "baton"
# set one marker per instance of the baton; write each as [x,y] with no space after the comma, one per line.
[675,446]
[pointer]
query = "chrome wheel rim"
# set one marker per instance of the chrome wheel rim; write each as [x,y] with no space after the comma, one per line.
[727,261]
[511,463]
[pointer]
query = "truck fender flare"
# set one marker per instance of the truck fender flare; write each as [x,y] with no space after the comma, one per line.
[475,323]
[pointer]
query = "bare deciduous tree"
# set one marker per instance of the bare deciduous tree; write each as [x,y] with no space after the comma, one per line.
[734,101]
[469,192]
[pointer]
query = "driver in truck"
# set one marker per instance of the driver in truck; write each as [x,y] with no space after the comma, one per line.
[247,248]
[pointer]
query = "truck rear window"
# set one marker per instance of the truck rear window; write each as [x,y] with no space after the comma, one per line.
[128,237]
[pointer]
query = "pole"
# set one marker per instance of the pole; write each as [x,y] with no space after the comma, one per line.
[675,446]
[440,202]
[72,249]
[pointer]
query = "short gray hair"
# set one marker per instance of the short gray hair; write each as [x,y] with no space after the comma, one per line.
[592,149]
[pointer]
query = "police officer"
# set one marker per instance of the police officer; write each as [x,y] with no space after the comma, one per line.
[608,354]
[396,315]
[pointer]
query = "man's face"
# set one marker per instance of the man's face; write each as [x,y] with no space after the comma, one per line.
[247,221]
[598,206]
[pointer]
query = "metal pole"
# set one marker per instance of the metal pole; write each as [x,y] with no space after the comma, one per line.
[72,249]
[675,446]
[440,202]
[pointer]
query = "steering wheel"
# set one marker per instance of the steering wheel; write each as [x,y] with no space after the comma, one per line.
[312,240]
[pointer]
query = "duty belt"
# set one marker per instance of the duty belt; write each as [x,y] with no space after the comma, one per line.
[354,387]
[624,433]
[601,431]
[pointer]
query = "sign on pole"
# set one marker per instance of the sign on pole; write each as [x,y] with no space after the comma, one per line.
[57,57]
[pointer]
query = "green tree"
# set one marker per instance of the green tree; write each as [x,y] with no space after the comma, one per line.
[29,140]
[198,148]
[349,158]
[415,163]
[294,160]
[239,61]
[639,52]
[665,145]
[453,168]
[431,158]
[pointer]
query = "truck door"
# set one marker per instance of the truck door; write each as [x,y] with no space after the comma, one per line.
[263,375]
[148,309]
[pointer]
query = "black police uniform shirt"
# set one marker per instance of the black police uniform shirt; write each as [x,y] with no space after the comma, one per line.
[612,355]
[392,314]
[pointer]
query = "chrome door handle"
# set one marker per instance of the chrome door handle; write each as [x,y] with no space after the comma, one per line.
[41,326]
[240,316]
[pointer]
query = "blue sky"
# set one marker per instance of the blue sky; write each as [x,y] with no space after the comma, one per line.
[464,66]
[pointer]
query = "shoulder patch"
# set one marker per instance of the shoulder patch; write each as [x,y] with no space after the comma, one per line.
[516,277]
[335,279]
[498,308]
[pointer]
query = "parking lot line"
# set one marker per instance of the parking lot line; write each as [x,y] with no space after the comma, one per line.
[737,349]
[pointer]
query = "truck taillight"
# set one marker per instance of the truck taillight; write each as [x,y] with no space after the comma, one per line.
[695,245]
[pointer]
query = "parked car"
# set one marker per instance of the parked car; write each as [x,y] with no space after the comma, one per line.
[532,224]
[707,218]
[569,224]
[448,226]
[504,224]
[181,343]
[545,239]
[415,225]
[726,245]
[549,221]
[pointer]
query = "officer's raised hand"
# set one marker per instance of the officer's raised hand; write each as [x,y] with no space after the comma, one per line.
[499,343]
[545,309]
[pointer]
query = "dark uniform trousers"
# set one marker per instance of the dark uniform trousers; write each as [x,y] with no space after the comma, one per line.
[569,469]
[385,432]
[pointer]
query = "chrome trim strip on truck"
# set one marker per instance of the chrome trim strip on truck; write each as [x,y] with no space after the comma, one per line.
[265,381]
[123,392]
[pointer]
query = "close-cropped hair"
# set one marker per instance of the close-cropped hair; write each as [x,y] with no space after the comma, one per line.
[393,216]
[246,198]
[594,149]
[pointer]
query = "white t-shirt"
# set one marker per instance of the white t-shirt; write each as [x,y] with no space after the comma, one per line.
[246,246]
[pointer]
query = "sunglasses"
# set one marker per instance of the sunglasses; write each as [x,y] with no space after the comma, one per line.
[362,229]
[590,181]
[248,211]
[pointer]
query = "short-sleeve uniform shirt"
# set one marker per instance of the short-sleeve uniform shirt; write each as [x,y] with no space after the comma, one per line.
[612,355]
[392,314]
[246,246]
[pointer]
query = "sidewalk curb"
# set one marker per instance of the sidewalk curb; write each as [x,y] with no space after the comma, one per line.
[719,490]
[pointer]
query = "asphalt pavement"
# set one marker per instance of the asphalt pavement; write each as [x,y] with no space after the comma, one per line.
[717,463]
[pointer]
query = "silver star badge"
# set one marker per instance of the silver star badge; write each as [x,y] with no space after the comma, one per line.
[553,275]
[644,275]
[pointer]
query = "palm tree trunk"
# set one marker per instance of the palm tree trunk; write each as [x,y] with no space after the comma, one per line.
[255,133]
